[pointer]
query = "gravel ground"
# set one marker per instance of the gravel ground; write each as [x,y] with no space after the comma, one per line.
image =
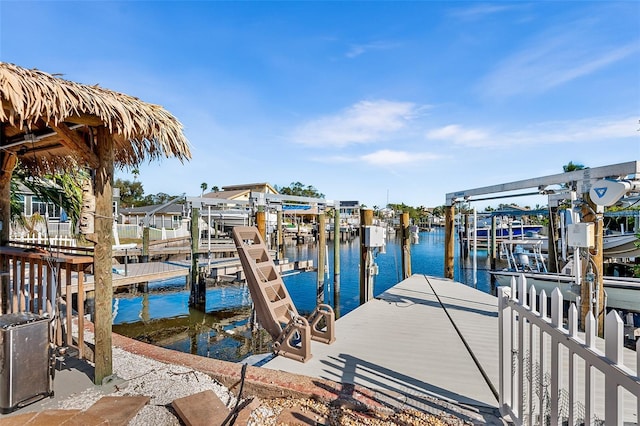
[163,383]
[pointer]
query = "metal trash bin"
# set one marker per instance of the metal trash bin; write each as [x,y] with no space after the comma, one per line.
[25,367]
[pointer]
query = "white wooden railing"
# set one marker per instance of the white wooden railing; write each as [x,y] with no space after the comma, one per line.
[59,240]
[553,375]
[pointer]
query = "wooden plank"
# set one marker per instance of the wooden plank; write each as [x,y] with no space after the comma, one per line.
[201,409]
[118,410]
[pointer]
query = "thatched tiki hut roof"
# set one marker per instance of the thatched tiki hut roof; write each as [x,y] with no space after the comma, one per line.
[49,124]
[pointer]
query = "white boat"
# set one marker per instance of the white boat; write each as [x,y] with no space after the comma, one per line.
[526,259]
[621,246]
[621,292]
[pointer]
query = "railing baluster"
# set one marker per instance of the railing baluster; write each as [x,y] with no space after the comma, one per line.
[24,303]
[556,371]
[589,397]
[638,375]
[80,309]
[16,285]
[42,296]
[504,352]
[543,314]
[573,332]
[32,288]
[69,302]
[613,343]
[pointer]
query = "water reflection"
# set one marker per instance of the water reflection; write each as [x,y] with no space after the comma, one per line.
[163,317]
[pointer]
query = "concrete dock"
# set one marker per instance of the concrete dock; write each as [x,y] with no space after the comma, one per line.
[422,339]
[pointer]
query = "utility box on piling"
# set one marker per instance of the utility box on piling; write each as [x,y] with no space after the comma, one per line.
[374,236]
[581,234]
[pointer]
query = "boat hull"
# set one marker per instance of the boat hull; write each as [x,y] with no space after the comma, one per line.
[622,293]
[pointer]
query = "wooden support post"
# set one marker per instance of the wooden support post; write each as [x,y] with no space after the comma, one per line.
[103,255]
[366,280]
[406,246]
[145,244]
[261,223]
[449,240]
[591,214]
[336,260]
[280,237]
[552,232]
[7,164]
[494,243]
[198,286]
[465,241]
[322,243]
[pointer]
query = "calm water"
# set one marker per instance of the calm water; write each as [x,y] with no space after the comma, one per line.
[164,318]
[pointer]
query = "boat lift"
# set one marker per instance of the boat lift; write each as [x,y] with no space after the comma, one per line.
[291,332]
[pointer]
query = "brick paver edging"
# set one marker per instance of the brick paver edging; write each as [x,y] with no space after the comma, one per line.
[260,381]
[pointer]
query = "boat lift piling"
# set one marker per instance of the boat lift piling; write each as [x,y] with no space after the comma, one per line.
[322,241]
[406,246]
[336,259]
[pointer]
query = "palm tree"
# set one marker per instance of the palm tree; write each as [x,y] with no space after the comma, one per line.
[63,190]
[30,224]
[203,186]
[571,167]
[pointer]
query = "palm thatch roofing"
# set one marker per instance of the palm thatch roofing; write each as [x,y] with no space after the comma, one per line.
[49,123]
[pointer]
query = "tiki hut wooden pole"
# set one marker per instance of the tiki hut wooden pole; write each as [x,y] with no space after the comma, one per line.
[102,262]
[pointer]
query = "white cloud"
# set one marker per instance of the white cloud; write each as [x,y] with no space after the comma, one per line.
[557,132]
[359,49]
[386,157]
[482,10]
[383,157]
[457,134]
[555,57]
[364,122]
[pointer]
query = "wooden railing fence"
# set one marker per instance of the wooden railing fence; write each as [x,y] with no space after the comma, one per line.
[50,282]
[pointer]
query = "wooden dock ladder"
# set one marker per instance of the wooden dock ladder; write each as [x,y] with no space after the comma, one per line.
[291,332]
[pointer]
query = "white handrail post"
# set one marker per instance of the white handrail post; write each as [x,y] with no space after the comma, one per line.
[638,374]
[613,343]
[556,321]
[590,384]
[573,332]
[504,354]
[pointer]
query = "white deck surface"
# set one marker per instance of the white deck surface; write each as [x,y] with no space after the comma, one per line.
[404,342]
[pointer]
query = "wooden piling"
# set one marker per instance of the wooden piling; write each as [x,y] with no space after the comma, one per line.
[494,245]
[280,237]
[197,295]
[261,223]
[591,214]
[336,260]
[366,280]
[449,240]
[406,246]
[145,244]
[552,232]
[322,242]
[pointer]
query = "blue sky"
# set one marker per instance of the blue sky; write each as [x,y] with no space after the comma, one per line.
[369,101]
